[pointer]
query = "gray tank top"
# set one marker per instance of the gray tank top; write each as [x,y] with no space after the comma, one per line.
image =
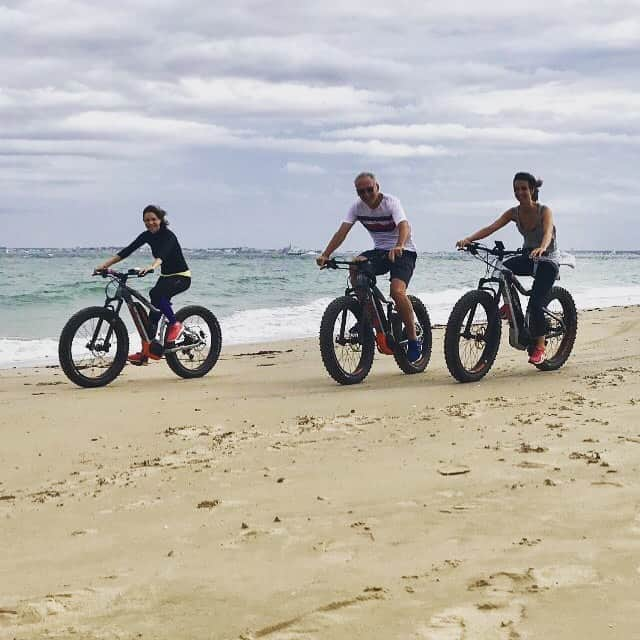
[533,238]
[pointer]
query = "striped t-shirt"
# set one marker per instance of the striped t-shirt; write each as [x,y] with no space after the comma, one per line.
[381,222]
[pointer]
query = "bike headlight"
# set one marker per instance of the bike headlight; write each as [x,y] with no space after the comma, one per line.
[111,290]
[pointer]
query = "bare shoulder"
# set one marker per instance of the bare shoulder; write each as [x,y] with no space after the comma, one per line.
[508,216]
[546,210]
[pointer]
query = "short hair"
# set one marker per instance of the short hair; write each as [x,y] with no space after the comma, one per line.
[158,212]
[365,174]
[533,182]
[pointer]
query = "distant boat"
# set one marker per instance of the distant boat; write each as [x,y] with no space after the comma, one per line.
[291,250]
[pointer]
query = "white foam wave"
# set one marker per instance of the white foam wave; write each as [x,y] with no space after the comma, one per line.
[16,352]
[303,321]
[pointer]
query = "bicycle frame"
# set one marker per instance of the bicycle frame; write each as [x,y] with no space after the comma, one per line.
[373,302]
[126,294]
[507,286]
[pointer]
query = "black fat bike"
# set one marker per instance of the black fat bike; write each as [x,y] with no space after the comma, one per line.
[474,328]
[355,324]
[94,342]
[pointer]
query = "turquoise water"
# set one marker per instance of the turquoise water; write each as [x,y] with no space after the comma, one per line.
[257,295]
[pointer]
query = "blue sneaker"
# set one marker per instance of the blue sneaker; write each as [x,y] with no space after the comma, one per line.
[414,350]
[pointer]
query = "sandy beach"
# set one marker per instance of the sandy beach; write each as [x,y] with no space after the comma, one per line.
[266,501]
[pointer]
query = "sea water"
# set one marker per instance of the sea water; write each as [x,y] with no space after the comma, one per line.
[258,296]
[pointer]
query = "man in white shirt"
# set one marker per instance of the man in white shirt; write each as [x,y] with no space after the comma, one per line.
[385,220]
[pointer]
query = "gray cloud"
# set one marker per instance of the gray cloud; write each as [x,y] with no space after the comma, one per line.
[186,103]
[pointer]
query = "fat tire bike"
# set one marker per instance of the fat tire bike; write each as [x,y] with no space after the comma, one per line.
[473,332]
[360,321]
[94,343]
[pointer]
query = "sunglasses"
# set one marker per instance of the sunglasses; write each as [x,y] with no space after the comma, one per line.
[367,191]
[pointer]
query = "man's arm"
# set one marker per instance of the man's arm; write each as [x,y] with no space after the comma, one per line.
[404,230]
[336,240]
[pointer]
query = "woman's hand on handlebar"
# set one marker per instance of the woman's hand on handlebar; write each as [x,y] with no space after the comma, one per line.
[463,243]
[322,260]
[143,272]
[538,252]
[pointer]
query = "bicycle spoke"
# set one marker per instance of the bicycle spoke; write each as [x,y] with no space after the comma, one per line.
[196,341]
[87,348]
[347,345]
[473,340]
[555,329]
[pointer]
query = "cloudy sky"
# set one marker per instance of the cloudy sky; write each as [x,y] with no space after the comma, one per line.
[248,120]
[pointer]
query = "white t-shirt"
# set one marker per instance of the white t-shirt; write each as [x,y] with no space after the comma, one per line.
[381,222]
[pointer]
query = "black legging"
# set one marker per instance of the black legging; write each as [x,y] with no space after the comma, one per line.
[545,276]
[161,294]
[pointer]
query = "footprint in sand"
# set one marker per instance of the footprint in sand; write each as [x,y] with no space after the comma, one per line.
[462,410]
[485,620]
[54,608]
[500,607]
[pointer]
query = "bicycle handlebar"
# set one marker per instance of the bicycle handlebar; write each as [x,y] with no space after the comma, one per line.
[499,251]
[121,275]
[332,263]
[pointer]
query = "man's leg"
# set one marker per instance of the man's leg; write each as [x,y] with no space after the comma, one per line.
[404,306]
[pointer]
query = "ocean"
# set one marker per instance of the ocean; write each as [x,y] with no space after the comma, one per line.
[258,296]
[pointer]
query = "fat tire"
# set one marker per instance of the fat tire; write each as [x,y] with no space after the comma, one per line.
[327,343]
[454,328]
[571,322]
[216,343]
[399,353]
[66,341]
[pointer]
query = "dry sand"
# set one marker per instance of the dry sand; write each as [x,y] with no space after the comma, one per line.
[266,501]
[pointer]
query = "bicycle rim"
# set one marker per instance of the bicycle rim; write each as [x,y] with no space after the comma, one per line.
[561,328]
[85,355]
[197,341]
[472,336]
[346,342]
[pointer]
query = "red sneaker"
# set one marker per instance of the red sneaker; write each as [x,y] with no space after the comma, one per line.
[537,355]
[173,332]
[138,359]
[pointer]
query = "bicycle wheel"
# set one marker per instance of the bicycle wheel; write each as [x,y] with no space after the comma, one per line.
[85,355]
[346,341]
[423,331]
[472,336]
[562,327]
[200,343]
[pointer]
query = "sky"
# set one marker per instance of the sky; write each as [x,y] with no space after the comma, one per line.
[247,120]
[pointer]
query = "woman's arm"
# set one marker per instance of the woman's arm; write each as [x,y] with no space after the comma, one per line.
[107,263]
[502,221]
[154,265]
[547,233]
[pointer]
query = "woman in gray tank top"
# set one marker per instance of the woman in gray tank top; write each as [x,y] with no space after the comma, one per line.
[535,223]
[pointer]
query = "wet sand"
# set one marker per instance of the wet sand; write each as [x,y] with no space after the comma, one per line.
[266,501]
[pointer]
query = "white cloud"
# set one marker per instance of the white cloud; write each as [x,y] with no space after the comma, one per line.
[438,94]
[303,168]
[515,136]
